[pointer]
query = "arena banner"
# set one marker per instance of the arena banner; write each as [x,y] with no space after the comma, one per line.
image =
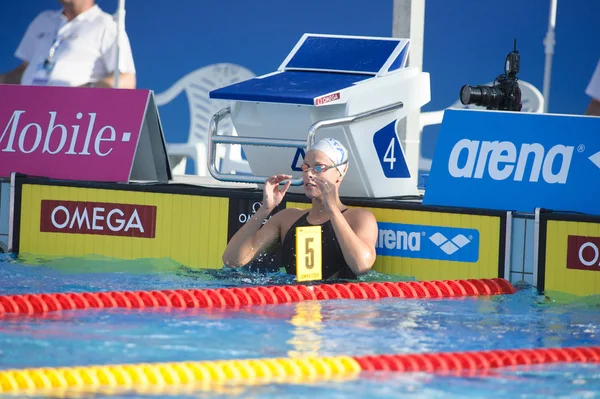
[110,135]
[67,219]
[569,253]
[436,243]
[516,161]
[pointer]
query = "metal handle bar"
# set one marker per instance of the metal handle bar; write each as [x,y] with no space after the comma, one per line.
[214,139]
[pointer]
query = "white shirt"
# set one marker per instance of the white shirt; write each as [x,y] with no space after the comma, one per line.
[593,88]
[85,48]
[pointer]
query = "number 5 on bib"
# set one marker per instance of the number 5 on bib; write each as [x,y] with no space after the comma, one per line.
[308,253]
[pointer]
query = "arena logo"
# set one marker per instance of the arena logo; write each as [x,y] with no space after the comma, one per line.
[399,239]
[98,218]
[427,242]
[55,138]
[327,99]
[583,253]
[449,246]
[501,160]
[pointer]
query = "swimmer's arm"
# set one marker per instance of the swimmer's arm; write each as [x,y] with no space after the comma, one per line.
[251,240]
[357,238]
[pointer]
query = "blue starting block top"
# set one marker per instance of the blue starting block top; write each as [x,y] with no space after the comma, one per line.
[320,65]
[291,87]
[346,54]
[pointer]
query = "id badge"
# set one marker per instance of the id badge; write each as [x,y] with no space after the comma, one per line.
[40,78]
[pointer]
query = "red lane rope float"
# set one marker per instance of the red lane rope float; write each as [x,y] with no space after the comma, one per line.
[249,296]
[456,361]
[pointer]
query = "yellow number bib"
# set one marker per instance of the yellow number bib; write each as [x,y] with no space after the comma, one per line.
[308,253]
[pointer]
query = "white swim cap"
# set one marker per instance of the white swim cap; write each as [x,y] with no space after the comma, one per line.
[335,151]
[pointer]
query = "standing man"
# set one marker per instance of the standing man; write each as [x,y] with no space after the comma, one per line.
[593,90]
[75,46]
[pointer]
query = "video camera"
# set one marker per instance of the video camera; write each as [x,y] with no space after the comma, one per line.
[504,95]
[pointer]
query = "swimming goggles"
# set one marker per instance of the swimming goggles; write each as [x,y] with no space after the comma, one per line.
[320,168]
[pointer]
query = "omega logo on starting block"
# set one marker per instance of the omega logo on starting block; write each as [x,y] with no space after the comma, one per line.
[327,99]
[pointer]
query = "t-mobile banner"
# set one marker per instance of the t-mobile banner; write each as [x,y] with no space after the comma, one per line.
[80,133]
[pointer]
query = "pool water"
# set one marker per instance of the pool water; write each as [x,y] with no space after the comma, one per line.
[321,328]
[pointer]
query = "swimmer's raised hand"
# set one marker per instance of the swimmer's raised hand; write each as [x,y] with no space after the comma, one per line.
[329,192]
[273,193]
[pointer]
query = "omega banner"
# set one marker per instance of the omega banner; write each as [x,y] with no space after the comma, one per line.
[81,134]
[72,219]
[99,218]
[569,253]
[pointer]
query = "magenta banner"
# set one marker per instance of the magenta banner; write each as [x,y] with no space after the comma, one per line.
[70,133]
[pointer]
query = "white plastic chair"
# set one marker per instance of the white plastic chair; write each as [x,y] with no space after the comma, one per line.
[531,98]
[197,85]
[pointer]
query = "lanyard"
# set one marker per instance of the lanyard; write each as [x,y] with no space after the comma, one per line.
[60,37]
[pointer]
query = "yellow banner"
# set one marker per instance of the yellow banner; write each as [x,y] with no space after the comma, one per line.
[75,221]
[572,251]
[435,245]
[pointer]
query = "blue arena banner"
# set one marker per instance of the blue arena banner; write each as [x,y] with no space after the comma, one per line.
[516,161]
[427,242]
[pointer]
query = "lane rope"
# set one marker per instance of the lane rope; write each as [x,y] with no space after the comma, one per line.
[237,297]
[253,371]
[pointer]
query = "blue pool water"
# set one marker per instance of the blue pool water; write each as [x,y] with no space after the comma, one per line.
[339,327]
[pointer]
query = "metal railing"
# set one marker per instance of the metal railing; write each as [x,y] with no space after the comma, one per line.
[214,139]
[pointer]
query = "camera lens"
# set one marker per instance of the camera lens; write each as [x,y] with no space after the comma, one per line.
[480,95]
[470,94]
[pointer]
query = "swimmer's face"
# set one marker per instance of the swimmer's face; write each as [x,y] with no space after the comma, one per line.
[317,159]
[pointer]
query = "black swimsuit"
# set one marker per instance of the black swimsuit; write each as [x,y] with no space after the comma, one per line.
[334,265]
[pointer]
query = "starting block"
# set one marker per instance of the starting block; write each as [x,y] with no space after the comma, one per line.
[354,89]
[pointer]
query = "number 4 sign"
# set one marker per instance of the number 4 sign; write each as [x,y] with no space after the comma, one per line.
[308,253]
[390,152]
